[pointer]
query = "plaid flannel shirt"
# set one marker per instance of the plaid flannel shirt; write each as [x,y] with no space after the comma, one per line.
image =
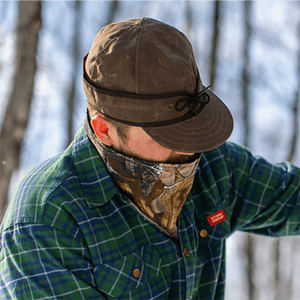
[70,234]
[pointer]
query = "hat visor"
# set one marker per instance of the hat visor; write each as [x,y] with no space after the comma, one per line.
[206,131]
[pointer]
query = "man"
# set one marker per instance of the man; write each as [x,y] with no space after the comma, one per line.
[140,204]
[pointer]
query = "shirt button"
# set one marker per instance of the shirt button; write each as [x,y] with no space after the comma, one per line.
[136,273]
[203,233]
[186,252]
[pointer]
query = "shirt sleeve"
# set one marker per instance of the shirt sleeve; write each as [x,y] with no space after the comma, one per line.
[41,262]
[263,198]
[256,196]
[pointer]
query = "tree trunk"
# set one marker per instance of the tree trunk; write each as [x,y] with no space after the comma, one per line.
[249,247]
[215,43]
[290,157]
[245,74]
[295,108]
[76,62]
[114,7]
[188,17]
[18,109]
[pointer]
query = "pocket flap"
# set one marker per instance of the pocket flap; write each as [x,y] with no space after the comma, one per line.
[128,272]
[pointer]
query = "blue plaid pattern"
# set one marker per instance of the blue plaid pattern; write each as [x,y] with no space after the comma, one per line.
[70,234]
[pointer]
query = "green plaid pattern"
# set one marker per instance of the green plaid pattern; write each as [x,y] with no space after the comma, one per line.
[70,234]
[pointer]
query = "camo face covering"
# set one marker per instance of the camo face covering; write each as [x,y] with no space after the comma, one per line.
[158,189]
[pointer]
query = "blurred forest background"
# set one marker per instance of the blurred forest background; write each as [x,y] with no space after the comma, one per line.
[248,51]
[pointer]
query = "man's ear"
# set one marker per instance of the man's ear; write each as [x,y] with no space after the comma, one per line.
[102,129]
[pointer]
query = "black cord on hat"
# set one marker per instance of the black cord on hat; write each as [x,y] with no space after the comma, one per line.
[191,101]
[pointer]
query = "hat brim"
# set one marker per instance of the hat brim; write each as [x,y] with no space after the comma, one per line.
[206,131]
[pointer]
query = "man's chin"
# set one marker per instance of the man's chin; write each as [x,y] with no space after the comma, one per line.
[182,158]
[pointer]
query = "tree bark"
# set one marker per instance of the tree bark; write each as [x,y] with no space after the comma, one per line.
[249,247]
[290,157]
[295,109]
[76,62]
[188,17]
[245,74]
[114,7]
[215,44]
[18,109]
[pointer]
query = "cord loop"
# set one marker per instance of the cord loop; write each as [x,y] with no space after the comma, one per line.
[201,97]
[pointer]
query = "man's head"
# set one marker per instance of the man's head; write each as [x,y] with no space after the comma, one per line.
[143,73]
[133,141]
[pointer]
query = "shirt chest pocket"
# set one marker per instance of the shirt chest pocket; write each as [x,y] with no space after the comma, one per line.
[129,272]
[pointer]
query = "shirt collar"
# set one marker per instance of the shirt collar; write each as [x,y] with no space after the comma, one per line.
[96,183]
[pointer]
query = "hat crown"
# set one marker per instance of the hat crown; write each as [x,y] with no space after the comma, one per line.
[142,57]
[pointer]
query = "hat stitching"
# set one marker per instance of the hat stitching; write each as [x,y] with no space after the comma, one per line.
[137,107]
[139,82]
[162,28]
[190,140]
[98,59]
[185,69]
[162,108]
[186,135]
[97,62]
[139,62]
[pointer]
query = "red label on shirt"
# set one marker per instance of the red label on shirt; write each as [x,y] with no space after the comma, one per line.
[216,218]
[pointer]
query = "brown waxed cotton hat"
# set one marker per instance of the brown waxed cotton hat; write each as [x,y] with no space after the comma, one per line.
[143,72]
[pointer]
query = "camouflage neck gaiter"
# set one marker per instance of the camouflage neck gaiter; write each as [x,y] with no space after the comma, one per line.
[159,190]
